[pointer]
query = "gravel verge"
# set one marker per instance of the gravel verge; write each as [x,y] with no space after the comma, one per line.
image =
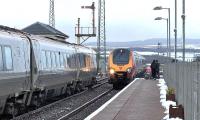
[90,109]
[57,110]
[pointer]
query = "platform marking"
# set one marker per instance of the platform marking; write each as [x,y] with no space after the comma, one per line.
[108,102]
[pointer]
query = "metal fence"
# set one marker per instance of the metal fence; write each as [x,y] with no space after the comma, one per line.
[185,79]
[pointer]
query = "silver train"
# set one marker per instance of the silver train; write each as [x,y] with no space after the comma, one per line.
[34,69]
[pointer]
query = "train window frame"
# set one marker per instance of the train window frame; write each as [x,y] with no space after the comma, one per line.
[116,58]
[1,59]
[6,68]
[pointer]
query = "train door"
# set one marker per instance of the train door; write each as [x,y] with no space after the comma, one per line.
[26,57]
[35,61]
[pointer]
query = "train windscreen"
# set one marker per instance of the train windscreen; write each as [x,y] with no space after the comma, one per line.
[121,56]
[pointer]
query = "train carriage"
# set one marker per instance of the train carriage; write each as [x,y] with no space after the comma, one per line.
[14,68]
[34,69]
[87,58]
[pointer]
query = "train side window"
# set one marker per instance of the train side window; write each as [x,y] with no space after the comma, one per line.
[1,60]
[69,60]
[65,60]
[44,60]
[53,59]
[73,61]
[77,60]
[82,60]
[57,60]
[61,60]
[8,58]
[48,55]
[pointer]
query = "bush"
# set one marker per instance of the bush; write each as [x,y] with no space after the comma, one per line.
[170,91]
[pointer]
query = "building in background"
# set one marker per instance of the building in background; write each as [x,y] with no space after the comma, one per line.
[45,30]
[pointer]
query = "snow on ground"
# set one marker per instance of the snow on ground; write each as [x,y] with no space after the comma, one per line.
[165,104]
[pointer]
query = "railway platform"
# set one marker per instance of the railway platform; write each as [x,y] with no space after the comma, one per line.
[140,100]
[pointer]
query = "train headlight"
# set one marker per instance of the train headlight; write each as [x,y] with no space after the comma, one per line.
[112,71]
[128,70]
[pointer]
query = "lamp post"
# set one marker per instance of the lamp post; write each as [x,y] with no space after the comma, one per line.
[183,18]
[160,8]
[159,46]
[160,18]
[175,31]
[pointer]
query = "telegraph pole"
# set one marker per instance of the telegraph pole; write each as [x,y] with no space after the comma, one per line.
[51,14]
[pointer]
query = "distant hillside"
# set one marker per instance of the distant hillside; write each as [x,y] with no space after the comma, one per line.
[147,42]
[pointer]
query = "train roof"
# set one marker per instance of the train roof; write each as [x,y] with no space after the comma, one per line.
[9,30]
[13,31]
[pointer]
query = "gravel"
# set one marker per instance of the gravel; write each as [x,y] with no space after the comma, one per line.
[57,110]
[90,109]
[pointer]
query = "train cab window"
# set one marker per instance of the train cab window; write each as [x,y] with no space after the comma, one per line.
[8,58]
[121,56]
[1,60]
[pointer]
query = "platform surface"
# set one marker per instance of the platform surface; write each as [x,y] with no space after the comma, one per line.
[140,100]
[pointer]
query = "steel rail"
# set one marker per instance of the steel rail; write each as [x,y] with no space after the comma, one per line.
[74,112]
[49,105]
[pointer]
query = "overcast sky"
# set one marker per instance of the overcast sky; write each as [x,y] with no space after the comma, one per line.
[126,20]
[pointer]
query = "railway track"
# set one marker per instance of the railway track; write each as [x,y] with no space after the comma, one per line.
[74,112]
[101,82]
[55,105]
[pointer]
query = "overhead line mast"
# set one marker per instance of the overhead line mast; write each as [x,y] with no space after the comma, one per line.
[101,41]
[51,14]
